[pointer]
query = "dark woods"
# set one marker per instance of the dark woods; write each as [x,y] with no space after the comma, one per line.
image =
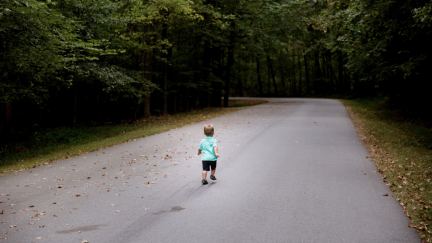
[70,62]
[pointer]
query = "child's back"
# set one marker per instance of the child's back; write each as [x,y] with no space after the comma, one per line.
[208,150]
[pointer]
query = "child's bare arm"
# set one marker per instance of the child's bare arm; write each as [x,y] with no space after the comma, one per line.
[199,151]
[216,150]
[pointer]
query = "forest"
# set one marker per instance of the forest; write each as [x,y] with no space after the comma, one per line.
[72,62]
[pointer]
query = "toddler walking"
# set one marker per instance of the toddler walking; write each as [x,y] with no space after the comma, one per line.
[209,152]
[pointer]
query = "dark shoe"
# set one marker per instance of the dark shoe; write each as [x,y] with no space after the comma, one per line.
[213,177]
[204,182]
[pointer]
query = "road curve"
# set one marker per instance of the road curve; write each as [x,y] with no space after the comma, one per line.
[292,170]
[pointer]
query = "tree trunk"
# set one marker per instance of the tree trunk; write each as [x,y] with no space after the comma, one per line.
[206,70]
[309,86]
[330,71]
[317,72]
[300,79]
[341,77]
[272,75]
[323,64]
[230,64]
[289,77]
[282,74]
[165,92]
[165,72]
[294,76]
[258,74]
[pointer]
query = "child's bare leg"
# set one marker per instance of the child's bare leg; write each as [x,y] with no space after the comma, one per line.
[212,175]
[204,175]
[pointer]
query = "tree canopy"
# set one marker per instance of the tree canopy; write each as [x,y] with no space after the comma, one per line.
[65,62]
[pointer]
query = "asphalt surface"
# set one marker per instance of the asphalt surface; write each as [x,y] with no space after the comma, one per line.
[292,170]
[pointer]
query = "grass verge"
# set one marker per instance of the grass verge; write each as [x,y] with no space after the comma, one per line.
[60,143]
[402,151]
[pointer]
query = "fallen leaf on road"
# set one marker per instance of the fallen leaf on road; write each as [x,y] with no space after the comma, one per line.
[38,214]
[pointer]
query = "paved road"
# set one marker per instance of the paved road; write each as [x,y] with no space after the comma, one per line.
[292,170]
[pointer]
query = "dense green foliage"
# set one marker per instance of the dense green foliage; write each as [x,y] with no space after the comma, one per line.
[65,62]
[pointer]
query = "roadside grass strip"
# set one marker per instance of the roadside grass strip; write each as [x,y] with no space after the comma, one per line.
[46,146]
[402,151]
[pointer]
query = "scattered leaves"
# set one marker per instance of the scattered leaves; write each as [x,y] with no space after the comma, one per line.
[402,160]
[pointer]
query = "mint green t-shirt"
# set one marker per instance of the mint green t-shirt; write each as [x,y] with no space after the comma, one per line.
[207,149]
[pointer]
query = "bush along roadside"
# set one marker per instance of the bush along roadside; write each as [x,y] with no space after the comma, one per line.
[402,151]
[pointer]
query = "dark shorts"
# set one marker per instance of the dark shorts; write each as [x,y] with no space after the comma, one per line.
[207,164]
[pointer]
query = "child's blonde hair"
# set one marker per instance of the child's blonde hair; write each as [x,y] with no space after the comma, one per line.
[209,130]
